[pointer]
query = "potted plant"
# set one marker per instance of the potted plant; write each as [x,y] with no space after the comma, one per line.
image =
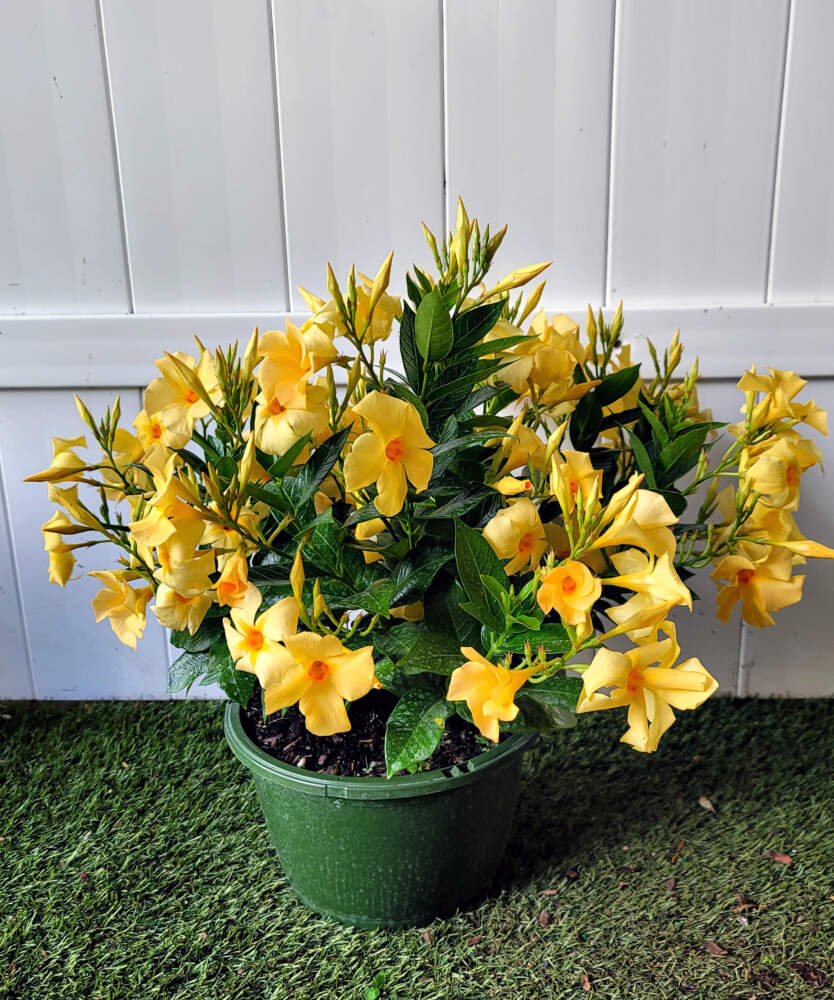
[398,577]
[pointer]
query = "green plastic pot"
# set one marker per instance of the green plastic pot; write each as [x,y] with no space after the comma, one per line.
[377,852]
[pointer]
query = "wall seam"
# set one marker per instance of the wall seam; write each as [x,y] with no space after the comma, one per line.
[279,142]
[444,119]
[117,162]
[612,113]
[24,622]
[777,165]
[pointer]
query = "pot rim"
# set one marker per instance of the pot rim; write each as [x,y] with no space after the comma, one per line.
[370,787]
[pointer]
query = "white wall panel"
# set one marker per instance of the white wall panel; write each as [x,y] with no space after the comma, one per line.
[15,671]
[803,248]
[193,99]
[527,131]
[795,656]
[360,109]
[71,656]
[697,97]
[61,246]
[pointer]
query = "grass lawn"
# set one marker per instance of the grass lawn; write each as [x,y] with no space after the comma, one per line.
[134,863]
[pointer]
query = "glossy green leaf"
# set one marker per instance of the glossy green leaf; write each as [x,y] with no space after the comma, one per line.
[616,385]
[236,684]
[641,456]
[185,670]
[414,729]
[551,635]
[434,653]
[474,557]
[474,324]
[412,362]
[433,327]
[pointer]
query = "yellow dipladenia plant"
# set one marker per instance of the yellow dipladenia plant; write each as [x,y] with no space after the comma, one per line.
[457,533]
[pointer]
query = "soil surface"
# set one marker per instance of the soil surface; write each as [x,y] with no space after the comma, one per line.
[357,753]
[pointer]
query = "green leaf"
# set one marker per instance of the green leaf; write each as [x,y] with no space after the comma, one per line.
[675,499]
[397,641]
[616,385]
[375,598]
[557,692]
[551,635]
[236,684]
[445,614]
[413,732]
[585,422]
[433,327]
[661,435]
[490,347]
[644,463]
[414,574]
[185,670]
[475,440]
[282,465]
[270,494]
[458,382]
[197,643]
[538,717]
[474,557]
[681,454]
[412,363]
[316,469]
[433,653]
[474,324]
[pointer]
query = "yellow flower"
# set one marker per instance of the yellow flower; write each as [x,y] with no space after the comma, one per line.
[651,692]
[283,416]
[291,359]
[233,583]
[414,612]
[509,486]
[777,472]
[644,522]
[386,310]
[181,566]
[365,532]
[66,465]
[394,447]
[175,611]
[488,690]
[571,590]
[780,388]
[254,640]
[172,397]
[122,604]
[61,559]
[156,438]
[656,578]
[319,673]
[225,536]
[572,473]
[516,534]
[761,587]
[520,447]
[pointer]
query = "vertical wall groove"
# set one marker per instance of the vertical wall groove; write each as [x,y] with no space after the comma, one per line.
[16,582]
[612,112]
[777,165]
[444,120]
[117,165]
[279,141]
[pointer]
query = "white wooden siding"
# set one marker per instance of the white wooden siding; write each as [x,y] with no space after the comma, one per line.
[182,166]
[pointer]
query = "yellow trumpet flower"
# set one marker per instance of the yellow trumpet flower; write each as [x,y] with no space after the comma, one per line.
[516,534]
[395,447]
[644,522]
[66,465]
[761,587]
[571,590]
[319,673]
[233,584]
[254,640]
[122,604]
[175,611]
[488,690]
[651,692]
[172,396]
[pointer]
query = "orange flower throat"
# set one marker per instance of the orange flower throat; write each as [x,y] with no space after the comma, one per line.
[318,670]
[394,450]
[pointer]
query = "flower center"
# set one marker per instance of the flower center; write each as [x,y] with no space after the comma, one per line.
[526,543]
[573,486]
[276,408]
[190,396]
[156,431]
[254,640]
[527,484]
[568,585]
[634,681]
[318,670]
[745,576]
[394,450]
[792,476]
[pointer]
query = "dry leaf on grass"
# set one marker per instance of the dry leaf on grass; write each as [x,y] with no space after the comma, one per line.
[714,949]
[779,857]
[427,936]
[670,884]
[705,803]
[548,892]
[544,918]
[586,982]
[474,940]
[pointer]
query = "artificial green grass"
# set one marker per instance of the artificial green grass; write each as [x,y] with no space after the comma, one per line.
[134,863]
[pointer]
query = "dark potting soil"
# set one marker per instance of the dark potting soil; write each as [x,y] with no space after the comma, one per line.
[360,752]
